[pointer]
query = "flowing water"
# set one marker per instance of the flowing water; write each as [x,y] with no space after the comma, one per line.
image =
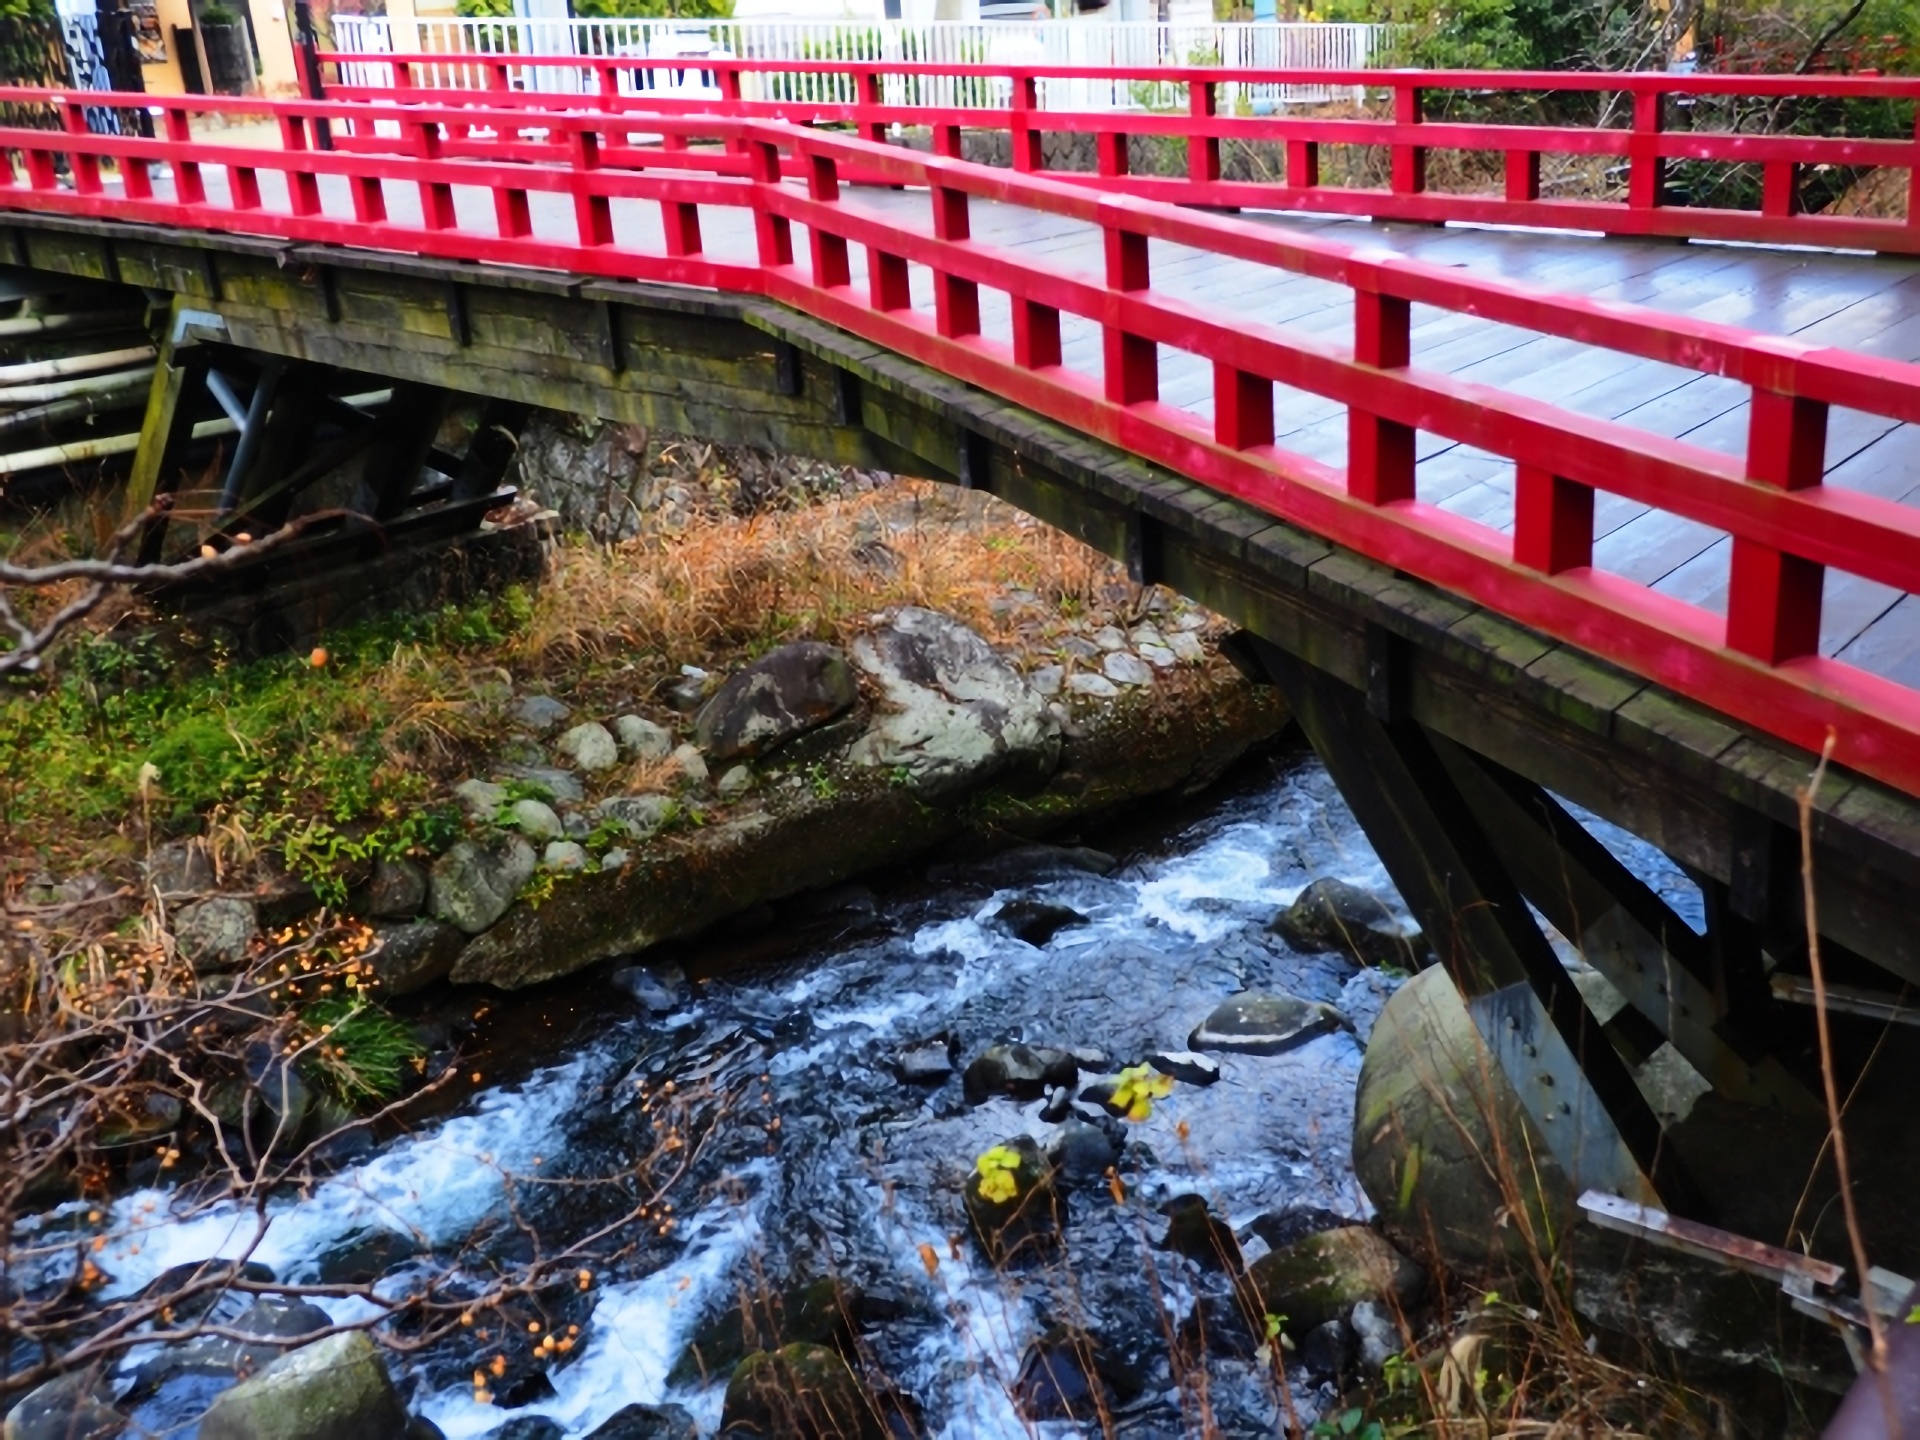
[772,1099]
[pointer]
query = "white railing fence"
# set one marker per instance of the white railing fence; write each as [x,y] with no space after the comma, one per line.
[1046,43]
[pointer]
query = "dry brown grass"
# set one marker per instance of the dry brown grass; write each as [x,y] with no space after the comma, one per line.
[729,587]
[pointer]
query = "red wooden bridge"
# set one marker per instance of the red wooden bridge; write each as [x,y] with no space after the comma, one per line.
[1522,498]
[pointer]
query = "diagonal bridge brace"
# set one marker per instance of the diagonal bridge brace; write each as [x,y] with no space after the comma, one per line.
[1567,1074]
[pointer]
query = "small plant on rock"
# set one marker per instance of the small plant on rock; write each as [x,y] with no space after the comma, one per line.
[1139,1087]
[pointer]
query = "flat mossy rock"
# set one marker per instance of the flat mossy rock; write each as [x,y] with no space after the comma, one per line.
[1265,1023]
[784,693]
[1323,1276]
[799,1392]
[333,1389]
[1442,1146]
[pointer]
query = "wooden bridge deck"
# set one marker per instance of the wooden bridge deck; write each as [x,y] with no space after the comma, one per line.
[1853,301]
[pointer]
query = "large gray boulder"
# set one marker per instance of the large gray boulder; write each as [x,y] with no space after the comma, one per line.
[333,1389]
[473,884]
[783,694]
[955,713]
[1457,1171]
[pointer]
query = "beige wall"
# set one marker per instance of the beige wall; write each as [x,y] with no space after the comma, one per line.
[272,33]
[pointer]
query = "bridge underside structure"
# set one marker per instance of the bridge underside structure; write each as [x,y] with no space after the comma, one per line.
[1467,722]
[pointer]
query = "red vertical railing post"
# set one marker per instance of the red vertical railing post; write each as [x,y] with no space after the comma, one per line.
[866,85]
[496,75]
[86,168]
[681,221]
[1303,164]
[887,280]
[303,187]
[42,173]
[947,141]
[727,82]
[592,214]
[773,235]
[1203,150]
[1552,521]
[1036,334]
[1646,171]
[1409,159]
[244,183]
[956,302]
[436,196]
[1110,153]
[1131,362]
[828,252]
[1380,453]
[1523,175]
[369,199]
[1778,197]
[1242,407]
[1028,154]
[189,186]
[1773,597]
[606,85]
[1913,175]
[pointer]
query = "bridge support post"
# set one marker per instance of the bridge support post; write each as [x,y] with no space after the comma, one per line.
[165,432]
[1534,1020]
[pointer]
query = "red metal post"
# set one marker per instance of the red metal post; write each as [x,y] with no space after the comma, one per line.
[1773,597]
[1110,152]
[1646,171]
[1303,164]
[831,264]
[867,92]
[956,302]
[303,187]
[592,214]
[1131,362]
[188,184]
[86,168]
[947,141]
[1203,151]
[1523,175]
[1778,197]
[1028,154]
[888,285]
[1380,453]
[1552,521]
[773,236]
[1242,407]
[1036,334]
[1409,160]
[436,196]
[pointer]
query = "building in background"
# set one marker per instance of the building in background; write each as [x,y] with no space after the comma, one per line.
[180,41]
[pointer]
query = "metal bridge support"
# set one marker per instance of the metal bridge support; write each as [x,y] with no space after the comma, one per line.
[1456,879]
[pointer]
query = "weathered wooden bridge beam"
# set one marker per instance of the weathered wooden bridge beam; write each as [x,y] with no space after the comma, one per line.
[1451,874]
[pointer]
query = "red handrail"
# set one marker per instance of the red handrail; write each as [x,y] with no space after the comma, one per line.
[1644,144]
[1758,663]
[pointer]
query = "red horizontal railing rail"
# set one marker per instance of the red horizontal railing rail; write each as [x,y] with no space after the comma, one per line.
[1644,145]
[1758,663]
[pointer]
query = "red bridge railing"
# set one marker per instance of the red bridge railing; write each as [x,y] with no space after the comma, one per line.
[1644,146]
[1757,662]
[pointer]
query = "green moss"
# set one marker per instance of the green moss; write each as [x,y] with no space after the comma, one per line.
[314,757]
[358,1052]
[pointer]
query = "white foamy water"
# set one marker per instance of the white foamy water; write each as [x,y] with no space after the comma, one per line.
[437,1186]
[636,1332]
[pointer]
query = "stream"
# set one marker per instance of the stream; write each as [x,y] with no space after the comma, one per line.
[760,1116]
